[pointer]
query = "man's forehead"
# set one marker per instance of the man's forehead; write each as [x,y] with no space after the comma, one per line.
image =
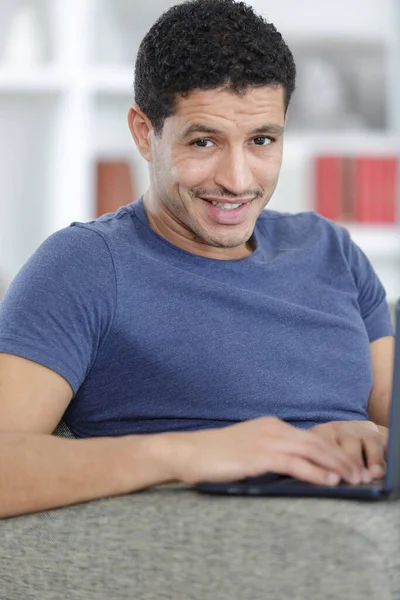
[265,103]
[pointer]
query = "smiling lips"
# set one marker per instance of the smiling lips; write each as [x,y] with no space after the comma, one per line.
[233,214]
[220,200]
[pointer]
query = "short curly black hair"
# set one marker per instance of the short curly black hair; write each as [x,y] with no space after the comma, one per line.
[206,44]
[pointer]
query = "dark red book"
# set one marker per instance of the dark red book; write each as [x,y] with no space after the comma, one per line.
[348,210]
[328,186]
[363,182]
[390,190]
[375,183]
[114,186]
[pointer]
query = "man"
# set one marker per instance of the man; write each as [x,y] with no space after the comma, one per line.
[192,335]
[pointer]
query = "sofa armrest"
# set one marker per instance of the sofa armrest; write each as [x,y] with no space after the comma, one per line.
[173,543]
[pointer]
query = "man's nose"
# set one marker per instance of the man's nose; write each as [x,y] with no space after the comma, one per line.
[234,173]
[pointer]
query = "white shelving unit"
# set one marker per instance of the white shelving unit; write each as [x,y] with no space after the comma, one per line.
[376,22]
[62,113]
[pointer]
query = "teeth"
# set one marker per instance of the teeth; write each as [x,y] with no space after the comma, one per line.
[226,206]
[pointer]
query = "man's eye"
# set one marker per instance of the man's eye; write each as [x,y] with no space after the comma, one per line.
[263,141]
[202,143]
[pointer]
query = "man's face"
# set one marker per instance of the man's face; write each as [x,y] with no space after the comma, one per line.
[217,147]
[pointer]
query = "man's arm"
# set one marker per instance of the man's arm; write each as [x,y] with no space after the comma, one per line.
[369,438]
[42,471]
[39,471]
[382,356]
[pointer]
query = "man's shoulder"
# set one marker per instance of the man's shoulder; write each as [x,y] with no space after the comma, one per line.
[108,225]
[82,249]
[288,217]
[304,222]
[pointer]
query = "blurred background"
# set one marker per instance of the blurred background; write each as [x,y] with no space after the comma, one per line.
[66,73]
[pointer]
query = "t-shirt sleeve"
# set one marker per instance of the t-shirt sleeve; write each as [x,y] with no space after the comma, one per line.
[372,301]
[60,306]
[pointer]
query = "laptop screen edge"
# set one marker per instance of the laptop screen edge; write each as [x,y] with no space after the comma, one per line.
[392,480]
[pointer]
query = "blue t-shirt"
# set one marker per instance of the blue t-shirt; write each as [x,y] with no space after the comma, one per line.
[153,338]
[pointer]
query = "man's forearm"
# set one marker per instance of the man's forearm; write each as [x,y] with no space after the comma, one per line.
[39,472]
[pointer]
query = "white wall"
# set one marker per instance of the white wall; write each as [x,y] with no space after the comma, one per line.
[357,19]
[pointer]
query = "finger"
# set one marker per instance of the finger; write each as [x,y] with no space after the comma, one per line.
[353,446]
[300,468]
[333,448]
[335,459]
[374,451]
[322,453]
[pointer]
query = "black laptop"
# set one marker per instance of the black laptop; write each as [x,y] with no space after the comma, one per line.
[272,484]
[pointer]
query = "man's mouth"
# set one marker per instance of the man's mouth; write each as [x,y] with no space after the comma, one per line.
[228,204]
[231,212]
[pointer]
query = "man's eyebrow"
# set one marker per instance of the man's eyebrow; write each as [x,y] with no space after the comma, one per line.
[269,129]
[199,128]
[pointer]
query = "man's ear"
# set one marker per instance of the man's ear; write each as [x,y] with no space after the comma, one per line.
[140,128]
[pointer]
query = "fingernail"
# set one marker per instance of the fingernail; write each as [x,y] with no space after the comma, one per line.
[366,476]
[377,471]
[332,479]
[355,478]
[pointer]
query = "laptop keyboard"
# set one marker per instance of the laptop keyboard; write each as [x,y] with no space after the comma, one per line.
[274,479]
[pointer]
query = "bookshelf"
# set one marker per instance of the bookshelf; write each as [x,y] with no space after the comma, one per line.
[63,107]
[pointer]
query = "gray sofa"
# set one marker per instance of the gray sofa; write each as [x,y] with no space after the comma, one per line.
[172,543]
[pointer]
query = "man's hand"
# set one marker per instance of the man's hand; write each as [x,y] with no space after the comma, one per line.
[253,448]
[363,441]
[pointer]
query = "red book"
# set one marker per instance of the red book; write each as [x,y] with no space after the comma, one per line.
[348,199]
[390,190]
[328,186]
[114,186]
[362,187]
[375,183]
